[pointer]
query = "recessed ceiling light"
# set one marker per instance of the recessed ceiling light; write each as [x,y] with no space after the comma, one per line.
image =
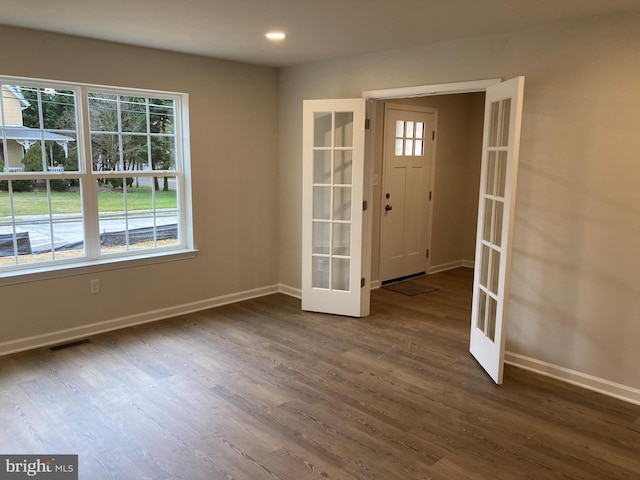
[276,36]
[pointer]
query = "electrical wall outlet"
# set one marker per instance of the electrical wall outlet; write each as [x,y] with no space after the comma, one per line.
[94,286]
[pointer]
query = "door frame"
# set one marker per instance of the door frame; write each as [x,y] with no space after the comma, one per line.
[383,179]
[371,96]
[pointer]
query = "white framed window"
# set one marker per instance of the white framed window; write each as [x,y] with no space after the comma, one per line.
[91,174]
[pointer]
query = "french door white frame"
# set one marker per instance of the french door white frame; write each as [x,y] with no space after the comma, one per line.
[490,357]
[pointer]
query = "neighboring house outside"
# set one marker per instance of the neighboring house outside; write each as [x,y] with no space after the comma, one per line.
[15,138]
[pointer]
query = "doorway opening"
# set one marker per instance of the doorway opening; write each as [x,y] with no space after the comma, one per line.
[448,199]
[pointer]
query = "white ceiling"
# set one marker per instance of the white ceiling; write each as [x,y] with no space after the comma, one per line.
[317,29]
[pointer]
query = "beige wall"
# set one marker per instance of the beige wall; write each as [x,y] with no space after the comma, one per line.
[575,287]
[233,117]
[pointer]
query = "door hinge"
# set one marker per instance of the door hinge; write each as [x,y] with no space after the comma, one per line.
[427,253]
[365,205]
[433,135]
[362,282]
[367,124]
[430,195]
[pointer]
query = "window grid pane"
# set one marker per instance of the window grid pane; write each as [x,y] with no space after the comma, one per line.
[41,218]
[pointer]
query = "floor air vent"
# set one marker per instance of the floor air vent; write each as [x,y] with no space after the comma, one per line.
[55,348]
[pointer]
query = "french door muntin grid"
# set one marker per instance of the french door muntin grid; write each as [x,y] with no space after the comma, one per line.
[491,251]
[85,176]
[331,254]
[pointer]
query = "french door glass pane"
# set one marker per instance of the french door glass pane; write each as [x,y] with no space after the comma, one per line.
[494,124]
[322,203]
[341,239]
[502,173]
[321,237]
[482,310]
[488,214]
[491,173]
[323,127]
[343,129]
[484,265]
[343,161]
[320,274]
[506,117]
[497,223]
[492,311]
[322,166]
[342,203]
[340,274]
[495,271]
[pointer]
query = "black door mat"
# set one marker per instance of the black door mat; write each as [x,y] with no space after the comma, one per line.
[410,287]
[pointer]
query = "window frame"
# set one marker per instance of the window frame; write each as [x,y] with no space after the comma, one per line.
[93,259]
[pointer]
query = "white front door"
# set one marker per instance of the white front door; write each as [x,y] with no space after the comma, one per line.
[408,165]
[498,178]
[332,207]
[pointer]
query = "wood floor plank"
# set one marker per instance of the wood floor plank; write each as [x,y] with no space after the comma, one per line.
[262,390]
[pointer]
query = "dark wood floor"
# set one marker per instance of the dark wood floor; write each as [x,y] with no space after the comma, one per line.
[262,390]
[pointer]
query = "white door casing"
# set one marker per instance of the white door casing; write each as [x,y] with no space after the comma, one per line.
[332,207]
[496,207]
[408,167]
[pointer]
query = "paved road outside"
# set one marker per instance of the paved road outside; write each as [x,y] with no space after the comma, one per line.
[68,230]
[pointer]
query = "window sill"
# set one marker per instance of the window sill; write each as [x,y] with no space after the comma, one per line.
[71,269]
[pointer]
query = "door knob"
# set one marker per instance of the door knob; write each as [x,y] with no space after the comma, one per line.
[388,207]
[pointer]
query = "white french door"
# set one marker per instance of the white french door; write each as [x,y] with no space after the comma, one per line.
[498,178]
[332,207]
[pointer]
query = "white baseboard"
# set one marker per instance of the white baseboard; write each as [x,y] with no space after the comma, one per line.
[291,291]
[600,385]
[451,265]
[75,333]
[375,284]
[590,382]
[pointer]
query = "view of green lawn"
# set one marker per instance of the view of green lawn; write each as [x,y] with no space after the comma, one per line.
[35,203]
